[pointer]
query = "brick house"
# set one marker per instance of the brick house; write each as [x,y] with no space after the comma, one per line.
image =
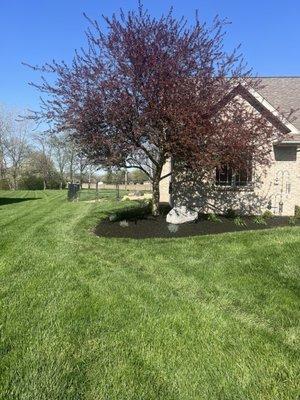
[276,187]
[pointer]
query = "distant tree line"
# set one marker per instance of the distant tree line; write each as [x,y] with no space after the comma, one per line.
[123,176]
[38,160]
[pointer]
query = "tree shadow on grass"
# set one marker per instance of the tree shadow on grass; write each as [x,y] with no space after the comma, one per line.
[11,200]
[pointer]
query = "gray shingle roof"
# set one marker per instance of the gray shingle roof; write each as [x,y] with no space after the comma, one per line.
[283,92]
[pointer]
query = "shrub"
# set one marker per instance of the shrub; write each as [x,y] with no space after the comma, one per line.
[297,212]
[54,181]
[213,218]
[267,214]
[4,184]
[130,214]
[259,220]
[239,222]
[230,213]
[31,182]
[292,221]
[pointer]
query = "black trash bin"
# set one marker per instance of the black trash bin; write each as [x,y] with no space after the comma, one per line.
[73,191]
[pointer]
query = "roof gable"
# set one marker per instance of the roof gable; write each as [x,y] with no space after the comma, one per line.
[261,105]
[282,92]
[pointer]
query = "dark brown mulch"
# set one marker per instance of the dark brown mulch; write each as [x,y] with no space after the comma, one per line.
[151,227]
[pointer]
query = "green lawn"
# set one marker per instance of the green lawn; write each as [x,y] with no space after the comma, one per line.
[83,317]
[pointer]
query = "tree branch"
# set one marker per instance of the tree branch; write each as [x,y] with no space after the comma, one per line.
[165,176]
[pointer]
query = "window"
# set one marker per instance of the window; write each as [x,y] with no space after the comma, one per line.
[225,176]
[285,153]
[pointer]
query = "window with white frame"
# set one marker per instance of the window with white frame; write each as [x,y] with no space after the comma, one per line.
[226,176]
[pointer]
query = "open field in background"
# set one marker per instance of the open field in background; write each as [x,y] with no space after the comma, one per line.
[84,317]
[91,194]
[131,187]
[111,194]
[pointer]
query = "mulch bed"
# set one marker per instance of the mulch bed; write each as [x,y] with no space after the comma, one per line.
[157,227]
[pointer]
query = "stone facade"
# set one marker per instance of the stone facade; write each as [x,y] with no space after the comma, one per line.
[276,187]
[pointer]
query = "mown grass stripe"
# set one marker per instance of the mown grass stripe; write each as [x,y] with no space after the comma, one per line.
[85,317]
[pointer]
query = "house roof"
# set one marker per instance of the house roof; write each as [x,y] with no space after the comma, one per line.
[275,96]
[283,92]
[261,105]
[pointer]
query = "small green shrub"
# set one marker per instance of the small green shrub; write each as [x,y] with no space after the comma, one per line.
[297,212]
[292,221]
[130,214]
[267,214]
[230,213]
[4,184]
[259,220]
[54,181]
[239,222]
[31,182]
[213,218]
[148,203]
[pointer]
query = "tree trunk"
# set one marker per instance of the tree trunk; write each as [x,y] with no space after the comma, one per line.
[155,188]
[89,179]
[126,179]
[15,181]
[1,170]
[45,184]
[155,201]
[97,190]
[71,169]
[1,175]
[61,178]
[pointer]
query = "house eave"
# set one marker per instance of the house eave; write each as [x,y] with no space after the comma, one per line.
[287,142]
[261,105]
[293,130]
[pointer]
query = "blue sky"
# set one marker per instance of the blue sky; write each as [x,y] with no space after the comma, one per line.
[36,31]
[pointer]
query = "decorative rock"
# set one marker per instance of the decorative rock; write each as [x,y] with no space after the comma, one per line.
[181,215]
[113,217]
[173,228]
[124,224]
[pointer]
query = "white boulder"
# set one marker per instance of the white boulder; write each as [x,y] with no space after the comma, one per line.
[124,224]
[181,215]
